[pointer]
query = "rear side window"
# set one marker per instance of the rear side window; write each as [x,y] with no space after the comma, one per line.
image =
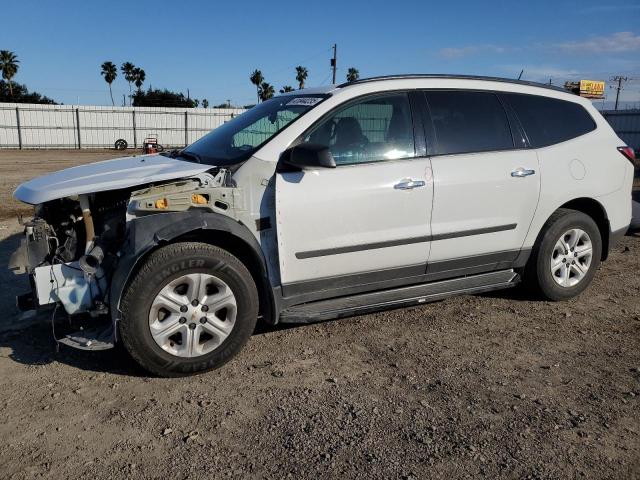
[549,120]
[467,122]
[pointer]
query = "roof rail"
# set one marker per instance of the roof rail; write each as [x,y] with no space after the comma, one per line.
[456,77]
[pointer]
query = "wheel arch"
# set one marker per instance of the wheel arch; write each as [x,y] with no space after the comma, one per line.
[146,235]
[597,212]
[250,255]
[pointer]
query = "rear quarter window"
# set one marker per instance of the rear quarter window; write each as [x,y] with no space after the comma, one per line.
[548,121]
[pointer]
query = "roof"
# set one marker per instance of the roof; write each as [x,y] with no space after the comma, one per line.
[328,89]
[310,91]
[449,76]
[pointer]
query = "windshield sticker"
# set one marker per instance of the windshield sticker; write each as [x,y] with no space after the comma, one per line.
[304,101]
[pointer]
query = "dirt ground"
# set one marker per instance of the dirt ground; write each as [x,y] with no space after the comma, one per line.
[489,386]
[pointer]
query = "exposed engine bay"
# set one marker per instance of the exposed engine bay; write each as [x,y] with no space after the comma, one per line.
[73,245]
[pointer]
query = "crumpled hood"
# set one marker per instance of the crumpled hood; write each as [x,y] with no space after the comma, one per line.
[108,175]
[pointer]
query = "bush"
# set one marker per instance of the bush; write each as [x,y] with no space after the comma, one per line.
[162,98]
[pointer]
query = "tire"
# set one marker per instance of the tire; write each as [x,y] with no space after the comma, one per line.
[121,144]
[549,270]
[203,336]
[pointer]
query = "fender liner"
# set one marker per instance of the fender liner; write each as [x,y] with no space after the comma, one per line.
[146,233]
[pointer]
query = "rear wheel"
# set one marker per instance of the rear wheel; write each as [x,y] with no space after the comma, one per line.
[566,256]
[190,308]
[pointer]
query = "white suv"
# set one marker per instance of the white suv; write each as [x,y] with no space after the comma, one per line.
[324,203]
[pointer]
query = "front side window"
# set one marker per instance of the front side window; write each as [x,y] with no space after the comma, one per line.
[467,122]
[370,130]
[239,138]
[549,120]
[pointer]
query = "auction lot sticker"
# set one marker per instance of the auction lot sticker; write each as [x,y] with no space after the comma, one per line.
[304,101]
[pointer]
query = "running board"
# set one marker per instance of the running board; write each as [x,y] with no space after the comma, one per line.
[397,297]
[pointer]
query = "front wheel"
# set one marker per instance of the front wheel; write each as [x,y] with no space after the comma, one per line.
[190,308]
[566,256]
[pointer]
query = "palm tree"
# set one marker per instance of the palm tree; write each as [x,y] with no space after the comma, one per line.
[205,103]
[109,72]
[127,69]
[257,79]
[352,75]
[301,75]
[139,77]
[266,91]
[286,88]
[9,66]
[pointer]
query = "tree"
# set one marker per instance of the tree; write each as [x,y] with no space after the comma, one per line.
[109,72]
[139,77]
[286,88]
[20,94]
[127,69]
[266,91]
[353,74]
[9,66]
[301,75]
[205,103]
[257,78]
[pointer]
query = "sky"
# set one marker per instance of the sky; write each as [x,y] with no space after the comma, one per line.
[211,47]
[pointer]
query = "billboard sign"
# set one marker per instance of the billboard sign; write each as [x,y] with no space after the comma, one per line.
[591,89]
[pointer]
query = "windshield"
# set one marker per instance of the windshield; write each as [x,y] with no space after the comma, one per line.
[239,138]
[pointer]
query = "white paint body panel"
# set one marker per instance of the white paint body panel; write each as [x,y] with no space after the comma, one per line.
[476,191]
[107,175]
[608,176]
[352,205]
[469,191]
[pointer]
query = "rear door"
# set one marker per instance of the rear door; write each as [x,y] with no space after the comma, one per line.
[366,221]
[486,183]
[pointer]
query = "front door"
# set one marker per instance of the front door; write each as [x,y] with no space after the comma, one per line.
[368,220]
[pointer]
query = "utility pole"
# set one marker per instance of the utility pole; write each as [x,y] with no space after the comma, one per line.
[334,61]
[619,79]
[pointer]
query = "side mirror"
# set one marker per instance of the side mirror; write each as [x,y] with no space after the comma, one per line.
[308,155]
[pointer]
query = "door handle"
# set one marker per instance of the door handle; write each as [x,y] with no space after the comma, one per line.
[522,172]
[409,184]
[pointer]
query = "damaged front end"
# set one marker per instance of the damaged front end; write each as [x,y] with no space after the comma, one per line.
[69,252]
[74,246]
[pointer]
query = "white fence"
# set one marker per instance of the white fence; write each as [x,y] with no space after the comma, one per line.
[81,126]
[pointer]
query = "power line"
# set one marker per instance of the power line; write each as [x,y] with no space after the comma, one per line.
[619,79]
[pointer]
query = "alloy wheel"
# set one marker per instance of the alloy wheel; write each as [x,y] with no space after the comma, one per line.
[192,315]
[571,257]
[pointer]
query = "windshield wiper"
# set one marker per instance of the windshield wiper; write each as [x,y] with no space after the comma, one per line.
[190,155]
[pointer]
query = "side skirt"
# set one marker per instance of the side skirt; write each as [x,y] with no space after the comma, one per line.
[398,297]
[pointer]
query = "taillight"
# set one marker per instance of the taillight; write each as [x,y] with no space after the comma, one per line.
[630,154]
